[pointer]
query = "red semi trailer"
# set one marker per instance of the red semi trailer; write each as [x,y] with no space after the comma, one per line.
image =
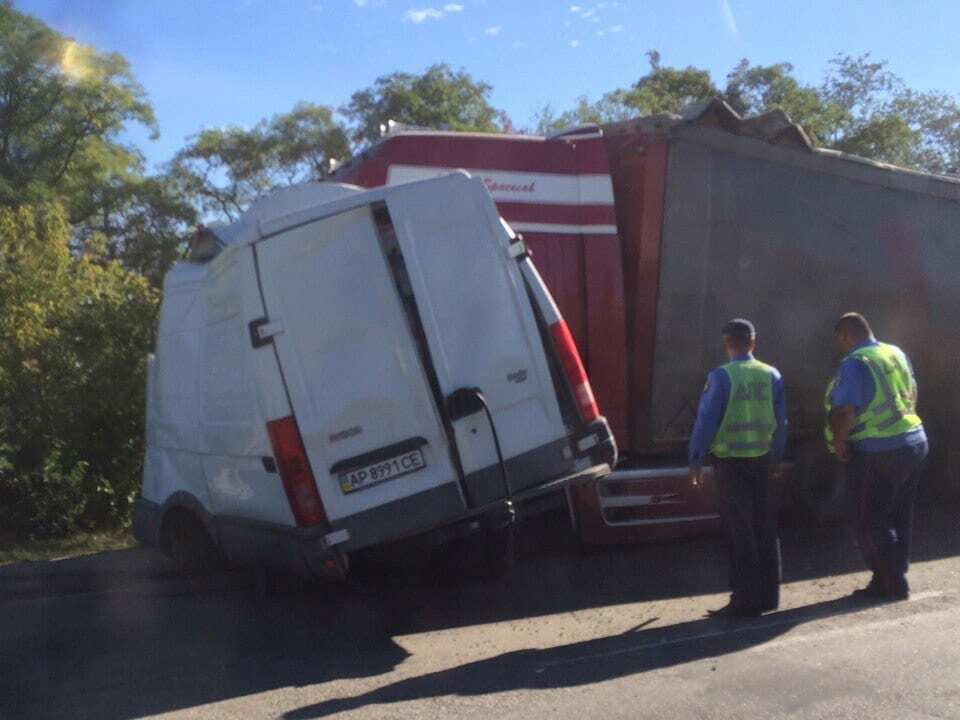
[648,232]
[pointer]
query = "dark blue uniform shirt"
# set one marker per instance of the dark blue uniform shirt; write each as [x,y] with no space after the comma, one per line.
[713,405]
[855,386]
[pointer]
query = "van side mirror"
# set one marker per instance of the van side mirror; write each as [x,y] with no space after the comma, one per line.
[464,402]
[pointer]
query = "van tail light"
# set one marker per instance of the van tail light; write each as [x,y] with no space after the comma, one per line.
[295,472]
[574,370]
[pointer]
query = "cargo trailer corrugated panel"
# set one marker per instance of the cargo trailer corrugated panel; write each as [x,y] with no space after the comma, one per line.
[791,239]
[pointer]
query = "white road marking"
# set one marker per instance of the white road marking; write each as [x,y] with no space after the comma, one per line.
[666,642]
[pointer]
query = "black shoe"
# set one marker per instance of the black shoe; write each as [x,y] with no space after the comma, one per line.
[731,610]
[898,589]
[874,591]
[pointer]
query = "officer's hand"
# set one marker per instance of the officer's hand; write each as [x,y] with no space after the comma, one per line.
[696,476]
[842,450]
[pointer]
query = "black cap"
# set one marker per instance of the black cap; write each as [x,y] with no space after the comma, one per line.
[740,329]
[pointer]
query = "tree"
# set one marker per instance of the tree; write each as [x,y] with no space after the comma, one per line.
[222,171]
[610,108]
[860,108]
[662,90]
[77,330]
[888,121]
[440,98]
[753,90]
[62,108]
[666,89]
[143,222]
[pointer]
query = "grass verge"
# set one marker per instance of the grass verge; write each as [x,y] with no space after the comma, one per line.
[15,551]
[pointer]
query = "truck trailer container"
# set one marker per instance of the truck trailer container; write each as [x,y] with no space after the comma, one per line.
[651,233]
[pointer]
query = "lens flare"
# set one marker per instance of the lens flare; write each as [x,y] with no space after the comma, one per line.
[75,61]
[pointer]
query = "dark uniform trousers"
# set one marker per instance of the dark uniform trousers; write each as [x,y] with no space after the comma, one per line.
[750,525]
[885,487]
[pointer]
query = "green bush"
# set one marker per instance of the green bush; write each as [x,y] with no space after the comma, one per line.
[75,334]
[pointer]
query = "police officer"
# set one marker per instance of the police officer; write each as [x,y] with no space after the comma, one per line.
[872,425]
[742,423]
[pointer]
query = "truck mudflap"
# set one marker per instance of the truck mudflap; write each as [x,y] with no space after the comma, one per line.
[440,508]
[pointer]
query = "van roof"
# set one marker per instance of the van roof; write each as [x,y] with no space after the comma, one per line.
[297,205]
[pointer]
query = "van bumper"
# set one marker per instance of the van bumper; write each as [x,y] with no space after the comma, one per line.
[440,509]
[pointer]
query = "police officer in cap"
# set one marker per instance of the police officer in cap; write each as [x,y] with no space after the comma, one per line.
[872,424]
[742,423]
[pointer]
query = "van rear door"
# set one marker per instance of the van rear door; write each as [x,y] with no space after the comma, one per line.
[481,331]
[362,400]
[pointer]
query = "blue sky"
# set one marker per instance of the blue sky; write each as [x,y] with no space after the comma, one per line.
[209,63]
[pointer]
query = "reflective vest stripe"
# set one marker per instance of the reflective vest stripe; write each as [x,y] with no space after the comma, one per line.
[765,446]
[889,403]
[747,427]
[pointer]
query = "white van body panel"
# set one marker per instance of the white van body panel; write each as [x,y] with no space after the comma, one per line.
[352,369]
[211,395]
[477,316]
[242,391]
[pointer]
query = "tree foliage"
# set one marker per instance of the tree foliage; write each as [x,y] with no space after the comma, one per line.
[62,108]
[440,98]
[223,170]
[77,330]
[861,107]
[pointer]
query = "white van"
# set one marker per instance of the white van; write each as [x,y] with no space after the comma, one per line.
[344,368]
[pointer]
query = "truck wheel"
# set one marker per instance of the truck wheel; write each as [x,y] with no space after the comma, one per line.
[186,541]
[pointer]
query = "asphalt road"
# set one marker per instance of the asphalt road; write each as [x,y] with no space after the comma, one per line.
[615,633]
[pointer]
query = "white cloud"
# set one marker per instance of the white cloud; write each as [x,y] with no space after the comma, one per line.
[575,8]
[574,43]
[615,28]
[418,16]
[588,13]
[494,30]
[728,17]
[599,33]
[360,3]
[452,7]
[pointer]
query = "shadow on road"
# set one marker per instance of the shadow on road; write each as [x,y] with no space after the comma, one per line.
[143,650]
[582,663]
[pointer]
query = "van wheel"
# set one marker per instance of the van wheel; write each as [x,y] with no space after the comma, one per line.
[186,541]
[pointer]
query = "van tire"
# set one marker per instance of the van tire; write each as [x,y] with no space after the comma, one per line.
[185,540]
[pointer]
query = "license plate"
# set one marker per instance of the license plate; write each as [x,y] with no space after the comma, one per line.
[382,470]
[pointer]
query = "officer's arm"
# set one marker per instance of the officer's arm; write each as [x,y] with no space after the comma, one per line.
[842,420]
[713,404]
[850,395]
